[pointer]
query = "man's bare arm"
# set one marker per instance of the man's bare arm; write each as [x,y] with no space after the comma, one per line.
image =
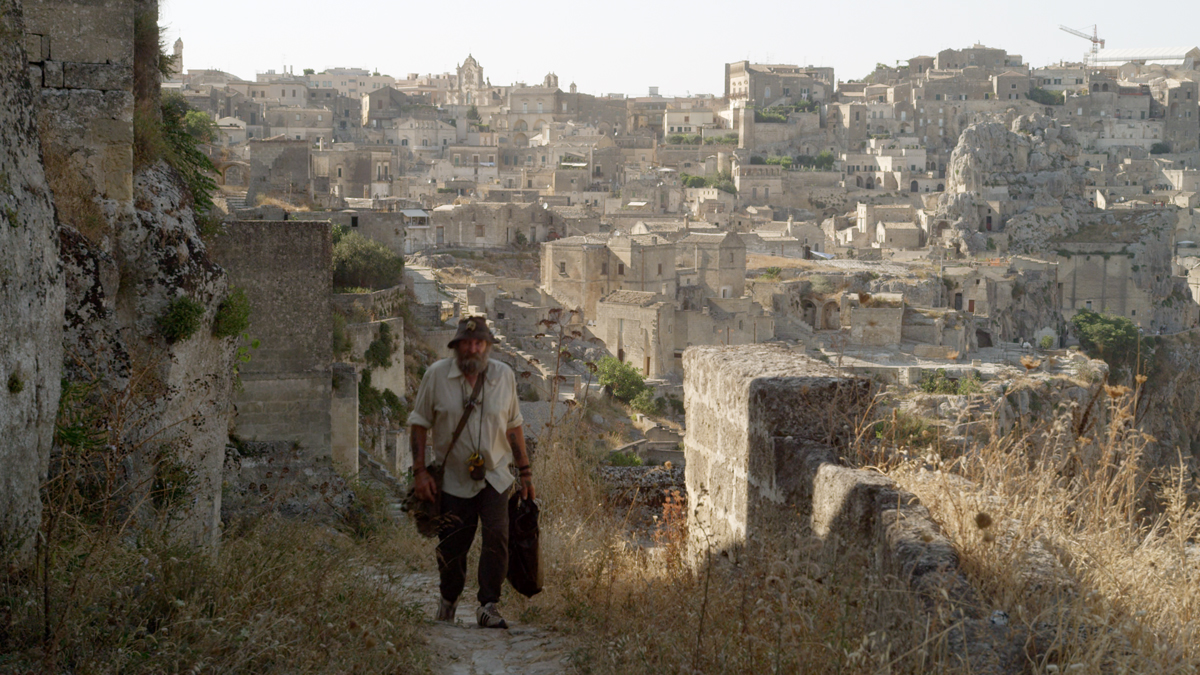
[516,440]
[425,486]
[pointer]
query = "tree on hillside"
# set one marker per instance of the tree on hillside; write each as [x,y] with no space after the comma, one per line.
[1113,339]
[363,263]
[624,380]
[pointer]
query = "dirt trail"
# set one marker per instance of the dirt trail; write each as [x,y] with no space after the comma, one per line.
[466,649]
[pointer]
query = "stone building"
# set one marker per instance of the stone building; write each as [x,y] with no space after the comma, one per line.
[493,224]
[766,84]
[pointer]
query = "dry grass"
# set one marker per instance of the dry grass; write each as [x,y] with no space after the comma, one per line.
[1066,528]
[635,605]
[281,597]
[263,200]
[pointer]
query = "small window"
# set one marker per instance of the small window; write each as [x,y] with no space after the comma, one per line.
[621,268]
[562,268]
[353,221]
[660,269]
[604,268]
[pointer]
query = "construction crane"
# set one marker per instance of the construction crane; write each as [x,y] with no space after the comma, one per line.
[1097,43]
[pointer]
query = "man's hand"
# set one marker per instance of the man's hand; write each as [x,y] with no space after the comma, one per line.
[425,486]
[527,491]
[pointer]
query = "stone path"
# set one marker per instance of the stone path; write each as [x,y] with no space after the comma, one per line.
[466,649]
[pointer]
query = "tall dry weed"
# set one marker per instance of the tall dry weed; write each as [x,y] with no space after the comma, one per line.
[635,603]
[1066,528]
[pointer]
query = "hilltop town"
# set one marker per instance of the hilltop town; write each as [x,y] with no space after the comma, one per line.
[965,201]
[897,370]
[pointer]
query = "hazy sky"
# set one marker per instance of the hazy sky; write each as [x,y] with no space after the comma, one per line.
[627,46]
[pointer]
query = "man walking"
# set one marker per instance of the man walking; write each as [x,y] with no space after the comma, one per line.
[469,403]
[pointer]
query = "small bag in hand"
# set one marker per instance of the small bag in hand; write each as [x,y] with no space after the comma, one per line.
[427,516]
[524,551]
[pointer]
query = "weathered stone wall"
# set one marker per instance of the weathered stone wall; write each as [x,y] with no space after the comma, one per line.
[375,306]
[285,268]
[281,169]
[81,55]
[361,335]
[738,400]
[343,413]
[31,301]
[762,470]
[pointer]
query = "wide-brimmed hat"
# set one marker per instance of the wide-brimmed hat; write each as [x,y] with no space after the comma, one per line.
[473,328]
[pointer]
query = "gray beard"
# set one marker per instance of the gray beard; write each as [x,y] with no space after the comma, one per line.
[470,365]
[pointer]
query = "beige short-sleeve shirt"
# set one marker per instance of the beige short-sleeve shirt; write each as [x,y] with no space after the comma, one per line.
[439,405]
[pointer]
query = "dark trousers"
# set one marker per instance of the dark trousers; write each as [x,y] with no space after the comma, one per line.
[455,538]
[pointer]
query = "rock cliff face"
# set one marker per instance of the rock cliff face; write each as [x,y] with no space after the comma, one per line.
[1029,163]
[1169,409]
[180,389]
[31,300]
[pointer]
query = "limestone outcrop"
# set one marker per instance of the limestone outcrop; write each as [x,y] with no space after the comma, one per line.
[1029,164]
[31,300]
[181,388]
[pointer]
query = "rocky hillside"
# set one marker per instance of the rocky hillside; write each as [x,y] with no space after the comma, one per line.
[1030,162]
[31,298]
[120,305]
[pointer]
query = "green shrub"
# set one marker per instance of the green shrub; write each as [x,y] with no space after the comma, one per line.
[1113,339]
[624,380]
[647,404]
[15,384]
[1045,97]
[233,315]
[771,274]
[358,261]
[379,352]
[372,402]
[182,151]
[937,383]
[624,459]
[181,319]
[1047,342]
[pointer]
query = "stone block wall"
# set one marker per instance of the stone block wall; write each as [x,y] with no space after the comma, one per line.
[738,400]
[81,56]
[375,306]
[361,335]
[343,413]
[285,269]
[280,168]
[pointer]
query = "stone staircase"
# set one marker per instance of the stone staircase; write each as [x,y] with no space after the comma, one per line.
[235,200]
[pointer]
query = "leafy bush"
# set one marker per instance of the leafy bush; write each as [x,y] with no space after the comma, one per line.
[1047,342]
[379,352]
[624,459]
[624,380]
[647,404]
[372,402]
[780,160]
[822,162]
[180,148]
[1039,95]
[358,261]
[180,320]
[937,383]
[233,315]
[690,181]
[771,274]
[1113,339]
